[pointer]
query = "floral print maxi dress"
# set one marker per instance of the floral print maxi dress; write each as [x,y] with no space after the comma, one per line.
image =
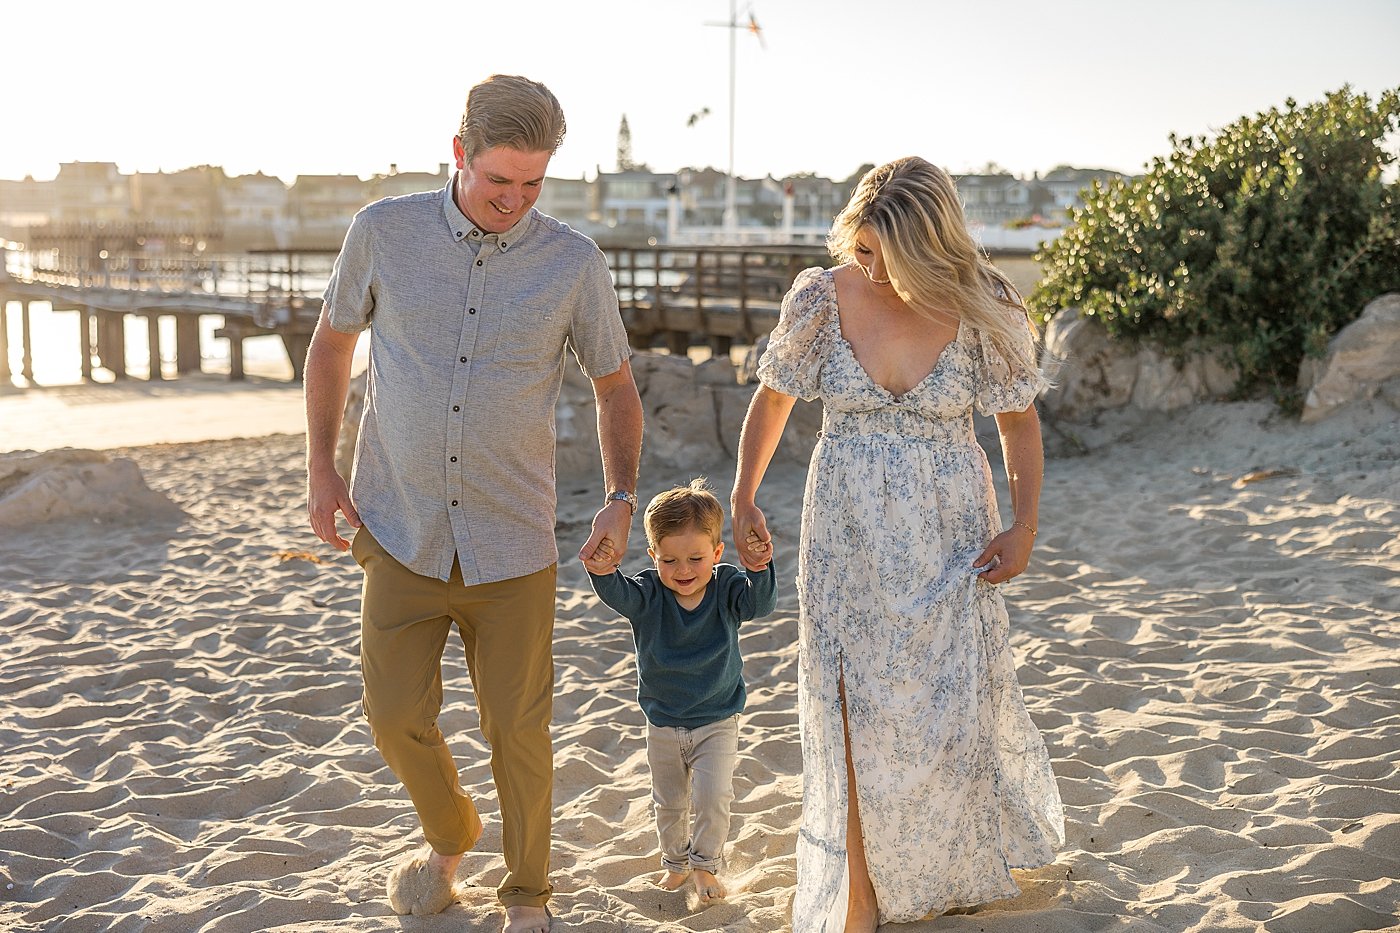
[953,779]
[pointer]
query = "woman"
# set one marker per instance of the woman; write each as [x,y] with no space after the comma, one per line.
[907,691]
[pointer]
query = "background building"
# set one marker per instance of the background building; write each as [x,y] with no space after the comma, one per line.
[631,205]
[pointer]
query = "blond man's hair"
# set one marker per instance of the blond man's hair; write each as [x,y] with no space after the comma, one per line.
[511,111]
[684,508]
[931,259]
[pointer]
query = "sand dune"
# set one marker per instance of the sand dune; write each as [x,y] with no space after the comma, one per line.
[1215,665]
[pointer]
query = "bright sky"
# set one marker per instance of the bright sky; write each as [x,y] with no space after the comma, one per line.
[292,87]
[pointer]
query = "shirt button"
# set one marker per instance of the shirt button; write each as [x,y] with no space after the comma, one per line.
[459,234]
[476,232]
[454,459]
[456,407]
[454,501]
[478,262]
[464,359]
[471,310]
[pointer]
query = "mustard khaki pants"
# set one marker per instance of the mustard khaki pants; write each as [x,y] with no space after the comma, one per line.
[507,629]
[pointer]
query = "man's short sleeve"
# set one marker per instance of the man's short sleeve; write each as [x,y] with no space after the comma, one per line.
[597,336]
[349,295]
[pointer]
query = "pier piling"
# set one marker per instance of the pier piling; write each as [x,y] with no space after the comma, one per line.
[85,341]
[187,356]
[154,374]
[27,346]
[4,345]
[111,342]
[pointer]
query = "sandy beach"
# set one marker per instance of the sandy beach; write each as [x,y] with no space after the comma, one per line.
[1207,637]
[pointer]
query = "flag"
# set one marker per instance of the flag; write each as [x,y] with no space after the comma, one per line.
[757,30]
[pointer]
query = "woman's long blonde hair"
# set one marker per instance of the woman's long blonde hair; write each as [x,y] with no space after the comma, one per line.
[931,259]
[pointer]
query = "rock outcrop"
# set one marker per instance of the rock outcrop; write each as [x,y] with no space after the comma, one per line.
[1094,373]
[1362,361]
[693,415]
[74,484]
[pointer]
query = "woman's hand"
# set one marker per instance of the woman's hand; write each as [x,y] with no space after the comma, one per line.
[751,536]
[1007,555]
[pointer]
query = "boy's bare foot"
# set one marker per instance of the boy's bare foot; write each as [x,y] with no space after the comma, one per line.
[862,914]
[707,886]
[423,883]
[672,880]
[525,919]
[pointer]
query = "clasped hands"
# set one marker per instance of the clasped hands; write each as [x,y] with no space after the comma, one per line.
[602,553]
[751,528]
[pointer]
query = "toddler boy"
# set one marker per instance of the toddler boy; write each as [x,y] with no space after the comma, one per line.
[685,614]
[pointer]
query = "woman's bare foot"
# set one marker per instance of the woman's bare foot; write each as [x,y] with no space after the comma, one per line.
[707,886]
[672,880]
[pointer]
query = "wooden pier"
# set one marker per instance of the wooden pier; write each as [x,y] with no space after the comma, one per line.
[679,297]
[671,296]
[255,295]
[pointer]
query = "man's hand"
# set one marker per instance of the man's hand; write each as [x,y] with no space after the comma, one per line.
[751,536]
[326,494]
[602,553]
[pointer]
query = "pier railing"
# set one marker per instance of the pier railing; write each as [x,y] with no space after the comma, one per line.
[675,296]
[250,277]
[255,294]
[681,296]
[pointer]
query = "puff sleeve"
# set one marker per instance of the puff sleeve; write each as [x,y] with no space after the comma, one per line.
[799,345]
[1002,385]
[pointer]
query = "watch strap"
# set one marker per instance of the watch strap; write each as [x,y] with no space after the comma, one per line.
[623,495]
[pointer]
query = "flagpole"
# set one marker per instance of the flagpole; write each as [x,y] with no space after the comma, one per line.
[730,222]
[731,210]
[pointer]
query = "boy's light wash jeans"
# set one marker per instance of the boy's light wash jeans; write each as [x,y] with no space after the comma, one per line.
[693,765]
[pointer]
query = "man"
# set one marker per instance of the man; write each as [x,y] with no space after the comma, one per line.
[474,297]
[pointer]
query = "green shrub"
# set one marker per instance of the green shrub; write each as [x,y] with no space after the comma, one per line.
[1261,242]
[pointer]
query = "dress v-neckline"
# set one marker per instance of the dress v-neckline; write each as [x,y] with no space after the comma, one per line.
[850,349]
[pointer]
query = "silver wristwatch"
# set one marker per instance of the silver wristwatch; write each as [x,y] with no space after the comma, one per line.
[623,496]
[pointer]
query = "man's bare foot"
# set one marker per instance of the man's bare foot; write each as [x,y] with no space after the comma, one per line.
[862,914]
[707,886]
[672,880]
[525,919]
[423,883]
[447,864]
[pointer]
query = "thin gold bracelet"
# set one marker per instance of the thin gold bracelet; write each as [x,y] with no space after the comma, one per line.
[1025,526]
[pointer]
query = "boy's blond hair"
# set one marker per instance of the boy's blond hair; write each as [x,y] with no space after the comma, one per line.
[681,508]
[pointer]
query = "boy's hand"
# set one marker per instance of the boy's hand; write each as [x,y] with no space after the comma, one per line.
[602,562]
[751,537]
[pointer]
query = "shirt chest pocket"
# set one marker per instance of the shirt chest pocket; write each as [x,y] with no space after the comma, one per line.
[527,336]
